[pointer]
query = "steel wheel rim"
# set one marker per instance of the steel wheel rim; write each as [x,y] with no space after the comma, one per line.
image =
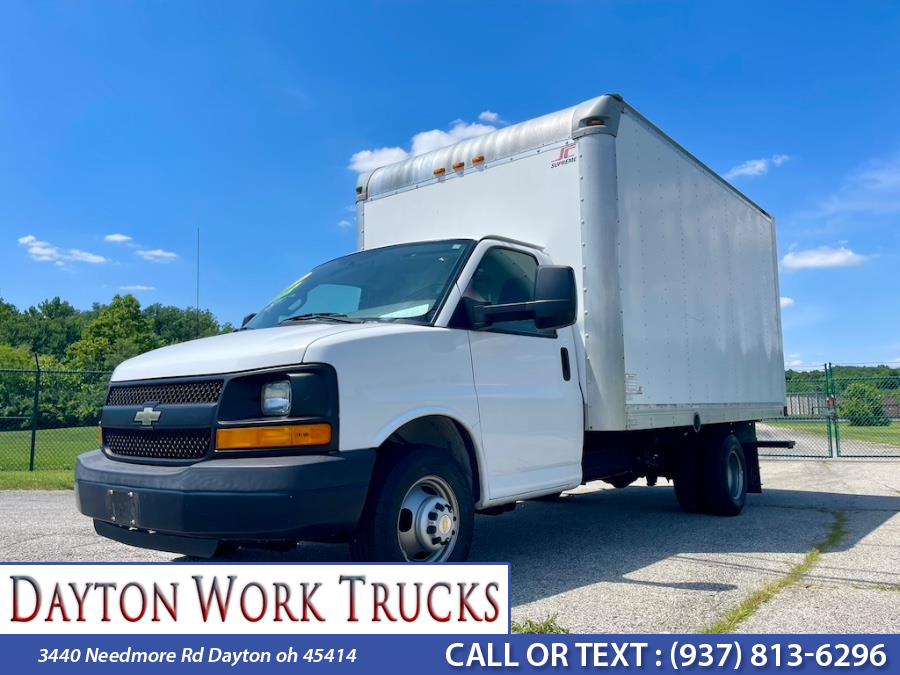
[428,522]
[735,476]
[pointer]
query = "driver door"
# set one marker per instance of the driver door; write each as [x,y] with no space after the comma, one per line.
[526,382]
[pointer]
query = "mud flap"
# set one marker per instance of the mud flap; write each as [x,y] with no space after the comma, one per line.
[754,480]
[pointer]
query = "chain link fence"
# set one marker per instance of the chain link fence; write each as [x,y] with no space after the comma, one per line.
[49,417]
[806,420]
[838,411]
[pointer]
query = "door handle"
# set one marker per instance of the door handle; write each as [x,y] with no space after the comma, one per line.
[566,368]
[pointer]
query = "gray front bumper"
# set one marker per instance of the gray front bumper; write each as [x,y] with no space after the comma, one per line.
[247,499]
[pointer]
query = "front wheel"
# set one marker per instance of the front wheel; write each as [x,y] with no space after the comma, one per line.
[420,510]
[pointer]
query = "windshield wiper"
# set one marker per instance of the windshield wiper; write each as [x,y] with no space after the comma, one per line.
[320,316]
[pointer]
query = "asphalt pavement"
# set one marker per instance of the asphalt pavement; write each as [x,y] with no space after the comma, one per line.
[605,560]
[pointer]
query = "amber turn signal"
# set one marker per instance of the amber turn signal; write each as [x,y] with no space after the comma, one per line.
[267,437]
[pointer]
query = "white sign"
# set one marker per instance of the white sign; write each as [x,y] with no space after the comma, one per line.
[235,598]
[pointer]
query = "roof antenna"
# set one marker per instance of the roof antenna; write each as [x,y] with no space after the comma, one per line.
[198,283]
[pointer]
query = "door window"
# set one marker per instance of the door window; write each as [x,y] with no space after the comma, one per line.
[505,276]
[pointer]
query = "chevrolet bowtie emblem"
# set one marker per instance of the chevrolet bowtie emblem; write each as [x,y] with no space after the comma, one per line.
[147,417]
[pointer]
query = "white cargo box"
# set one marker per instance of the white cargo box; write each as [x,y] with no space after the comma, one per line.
[678,271]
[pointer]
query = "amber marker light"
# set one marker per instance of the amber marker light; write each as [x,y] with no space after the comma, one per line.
[478,160]
[268,437]
[459,166]
[440,171]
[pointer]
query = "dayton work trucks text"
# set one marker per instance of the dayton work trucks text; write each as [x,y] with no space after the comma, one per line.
[564,300]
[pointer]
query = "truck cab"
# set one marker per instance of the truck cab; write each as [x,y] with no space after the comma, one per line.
[478,350]
[367,364]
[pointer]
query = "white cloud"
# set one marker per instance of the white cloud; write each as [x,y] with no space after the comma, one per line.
[822,258]
[84,256]
[786,302]
[425,141]
[793,361]
[872,189]
[344,224]
[40,251]
[137,288]
[367,160]
[117,238]
[43,251]
[755,167]
[157,255]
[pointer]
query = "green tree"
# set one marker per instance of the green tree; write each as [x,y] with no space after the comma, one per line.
[862,405]
[16,387]
[118,332]
[14,329]
[174,325]
[55,324]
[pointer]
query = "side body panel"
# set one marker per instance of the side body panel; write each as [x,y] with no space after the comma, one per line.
[600,322]
[699,289]
[396,374]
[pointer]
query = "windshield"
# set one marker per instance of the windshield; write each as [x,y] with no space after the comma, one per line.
[396,283]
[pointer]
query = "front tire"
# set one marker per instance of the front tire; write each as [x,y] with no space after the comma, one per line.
[420,509]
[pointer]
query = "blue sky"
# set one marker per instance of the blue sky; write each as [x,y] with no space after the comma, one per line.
[148,120]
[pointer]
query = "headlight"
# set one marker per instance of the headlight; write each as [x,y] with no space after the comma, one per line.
[276,398]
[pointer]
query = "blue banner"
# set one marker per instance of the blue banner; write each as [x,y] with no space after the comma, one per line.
[431,655]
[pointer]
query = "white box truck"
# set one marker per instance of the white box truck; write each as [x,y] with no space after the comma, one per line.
[569,299]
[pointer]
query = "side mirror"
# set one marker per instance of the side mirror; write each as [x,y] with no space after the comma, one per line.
[555,297]
[247,319]
[554,306]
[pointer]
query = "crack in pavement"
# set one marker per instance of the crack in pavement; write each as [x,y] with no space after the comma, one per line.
[753,602]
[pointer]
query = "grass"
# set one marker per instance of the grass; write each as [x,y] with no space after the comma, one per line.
[37,480]
[889,435]
[55,453]
[54,448]
[545,627]
[749,607]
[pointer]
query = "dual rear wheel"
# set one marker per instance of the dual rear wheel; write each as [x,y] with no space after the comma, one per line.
[713,478]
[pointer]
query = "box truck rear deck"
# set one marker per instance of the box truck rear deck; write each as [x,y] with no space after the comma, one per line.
[571,298]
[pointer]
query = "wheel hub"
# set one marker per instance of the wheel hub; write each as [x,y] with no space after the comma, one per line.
[427,526]
[734,476]
[435,523]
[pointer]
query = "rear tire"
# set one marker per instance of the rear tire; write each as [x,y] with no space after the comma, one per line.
[688,480]
[726,476]
[420,509]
